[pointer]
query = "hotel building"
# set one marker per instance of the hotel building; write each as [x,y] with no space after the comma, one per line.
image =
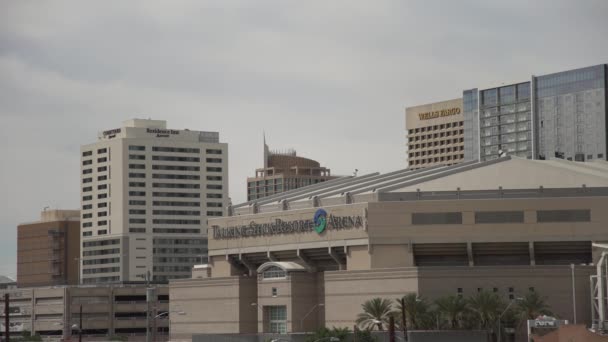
[147,192]
[435,134]
[48,249]
[308,258]
[560,115]
[284,171]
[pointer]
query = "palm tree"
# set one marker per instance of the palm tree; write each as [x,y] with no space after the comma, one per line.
[376,312]
[532,305]
[485,308]
[451,308]
[416,310]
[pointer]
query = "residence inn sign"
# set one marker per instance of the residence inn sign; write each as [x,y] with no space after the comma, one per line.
[319,223]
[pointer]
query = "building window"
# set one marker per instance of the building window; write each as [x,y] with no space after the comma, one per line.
[436,218]
[86,216]
[137,157]
[102,178]
[102,196]
[102,205]
[213,151]
[214,160]
[214,213]
[86,207]
[87,233]
[137,193]
[137,220]
[102,232]
[274,272]
[136,202]
[102,168]
[87,162]
[277,319]
[87,225]
[137,166]
[102,223]
[137,175]
[87,153]
[137,230]
[102,160]
[176,159]
[214,186]
[137,148]
[102,186]
[214,169]
[499,217]
[102,150]
[274,292]
[575,215]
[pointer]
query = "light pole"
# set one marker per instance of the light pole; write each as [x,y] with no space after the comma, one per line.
[573,294]
[162,315]
[309,312]
[500,317]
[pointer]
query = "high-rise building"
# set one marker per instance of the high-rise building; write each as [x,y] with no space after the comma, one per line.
[283,171]
[505,121]
[146,194]
[435,134]
[560,115]
[48,250]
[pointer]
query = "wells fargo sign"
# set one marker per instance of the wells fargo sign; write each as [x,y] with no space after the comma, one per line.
[439,113]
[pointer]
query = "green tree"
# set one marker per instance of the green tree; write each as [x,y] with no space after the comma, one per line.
[451,309]
[531,306]
[340,333]
[417,312]
[485,308]
[376,312]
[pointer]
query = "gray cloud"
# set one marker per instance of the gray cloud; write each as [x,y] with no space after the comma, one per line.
[329,78]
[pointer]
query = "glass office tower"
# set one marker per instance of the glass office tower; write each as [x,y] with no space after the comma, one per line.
[571,114]
[471,124]
[505,121]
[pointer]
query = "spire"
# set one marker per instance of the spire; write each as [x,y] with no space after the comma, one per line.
[265,150]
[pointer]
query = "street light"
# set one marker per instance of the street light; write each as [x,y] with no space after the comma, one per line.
[162,315]
[500,317]
[309,312]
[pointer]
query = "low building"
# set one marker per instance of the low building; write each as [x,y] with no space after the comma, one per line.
[293,262]
[48,250]
[106,311]
[284,171]
[7,283]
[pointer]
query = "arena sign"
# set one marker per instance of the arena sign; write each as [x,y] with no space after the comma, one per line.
[319,223]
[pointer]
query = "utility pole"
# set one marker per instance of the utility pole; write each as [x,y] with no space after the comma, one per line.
[403,319]
[391,329]
[6,321]
[154,324]
[80,325]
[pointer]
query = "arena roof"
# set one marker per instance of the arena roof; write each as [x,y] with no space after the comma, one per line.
[503,177]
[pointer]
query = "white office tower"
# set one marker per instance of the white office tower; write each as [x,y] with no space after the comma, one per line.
[146,194]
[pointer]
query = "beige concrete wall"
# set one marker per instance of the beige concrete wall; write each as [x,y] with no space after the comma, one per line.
[211,305]
[358,258]
[390,222]
[346,291]
[552,282]
[391,256]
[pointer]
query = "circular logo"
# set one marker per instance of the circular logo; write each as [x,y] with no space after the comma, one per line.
[320,220]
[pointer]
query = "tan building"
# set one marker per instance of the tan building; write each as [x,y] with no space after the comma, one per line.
[48,250]
[297,261]
[106,311]
[434,134]
[147,192]
[284,171]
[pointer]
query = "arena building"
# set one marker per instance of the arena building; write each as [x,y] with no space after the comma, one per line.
[310,257]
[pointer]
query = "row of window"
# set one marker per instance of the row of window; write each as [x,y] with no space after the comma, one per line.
[101,270]
[458,158]
[174,149]
[481,217]
[437,151]
[436,135]
[436,127]
[101,261]
[173,194]
[89,179]
[99,205]
[171,158]
[436,143]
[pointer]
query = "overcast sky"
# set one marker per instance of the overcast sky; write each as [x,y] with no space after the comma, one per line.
[328,78]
